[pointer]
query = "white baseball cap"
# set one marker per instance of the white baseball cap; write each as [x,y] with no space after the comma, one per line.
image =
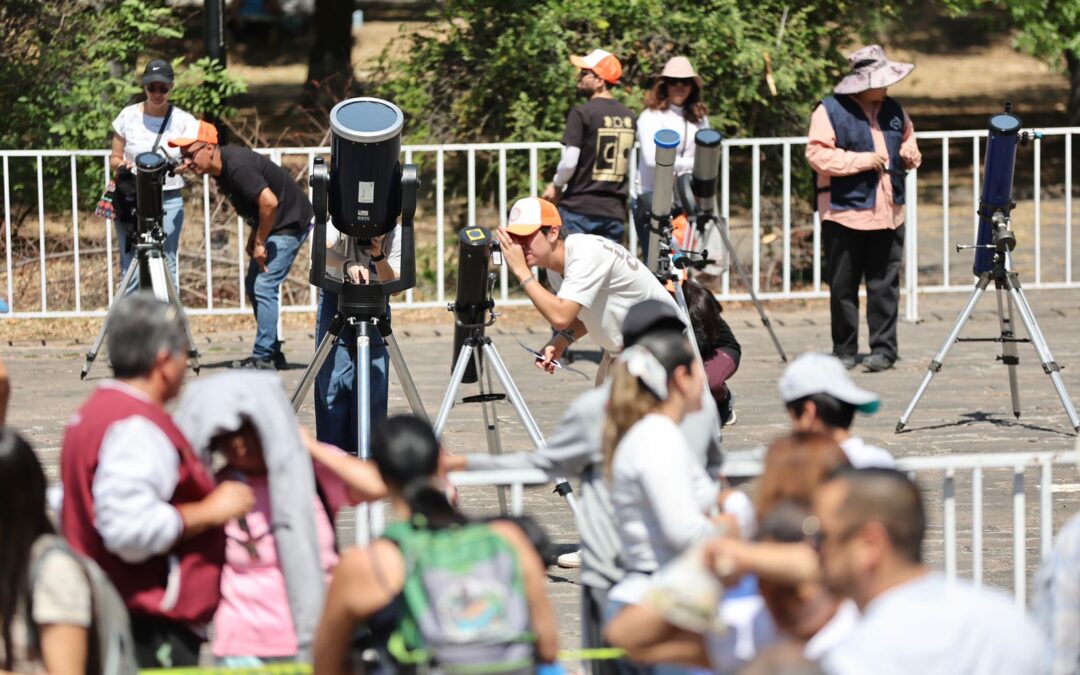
[814,373]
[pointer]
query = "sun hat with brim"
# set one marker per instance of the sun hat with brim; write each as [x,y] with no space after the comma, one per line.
[158,70]
[679,67]
[530,214]
[601,62]
[207,134]
[871,69]
[813,373]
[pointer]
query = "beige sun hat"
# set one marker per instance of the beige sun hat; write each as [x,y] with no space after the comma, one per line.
[679,67]
[871,69]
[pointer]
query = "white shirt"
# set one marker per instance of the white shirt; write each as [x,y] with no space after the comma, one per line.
[606,280]
[137,473]
[139,131]
[651,121]
[928,626]
[391,248]
[834,632]
[863,455]
[660,496]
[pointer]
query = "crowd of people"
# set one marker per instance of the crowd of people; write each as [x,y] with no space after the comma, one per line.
[197,521]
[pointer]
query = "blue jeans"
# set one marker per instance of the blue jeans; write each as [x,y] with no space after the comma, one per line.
[335,384]
[262,289]
[576,223]
[173,220]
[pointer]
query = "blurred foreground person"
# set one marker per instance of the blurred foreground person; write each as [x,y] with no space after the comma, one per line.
[436,589]
[5,392]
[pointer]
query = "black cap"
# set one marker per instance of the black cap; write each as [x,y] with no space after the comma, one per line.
[649,316]
[158,70]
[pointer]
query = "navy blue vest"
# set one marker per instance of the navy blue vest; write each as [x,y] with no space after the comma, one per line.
[852,131]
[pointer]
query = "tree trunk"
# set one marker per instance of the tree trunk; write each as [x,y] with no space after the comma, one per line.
[1073,62]
[330,61]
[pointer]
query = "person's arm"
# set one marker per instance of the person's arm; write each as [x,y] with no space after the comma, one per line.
[355,594]
[648,638]
[782,563]
[5,392]
[116,159]
[909,148]
[268,205]
[361,478]
[541,614]
[62,611]
[230,499]
[64,648]
[556,311]
[827,159]
[572,140]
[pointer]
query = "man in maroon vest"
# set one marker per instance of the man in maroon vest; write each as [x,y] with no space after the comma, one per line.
[137,498]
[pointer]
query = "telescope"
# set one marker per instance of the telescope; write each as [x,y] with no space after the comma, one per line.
[996,203]
[659,229]
[476,248]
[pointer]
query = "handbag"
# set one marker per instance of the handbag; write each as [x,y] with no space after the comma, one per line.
[118,201]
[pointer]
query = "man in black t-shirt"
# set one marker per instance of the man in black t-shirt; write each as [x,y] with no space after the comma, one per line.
[279,215]
[591,182]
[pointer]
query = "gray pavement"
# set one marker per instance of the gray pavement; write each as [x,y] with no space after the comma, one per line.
[965,410]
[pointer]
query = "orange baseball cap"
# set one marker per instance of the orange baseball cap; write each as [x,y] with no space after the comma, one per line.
[601,62]
[207,134]
[530,214]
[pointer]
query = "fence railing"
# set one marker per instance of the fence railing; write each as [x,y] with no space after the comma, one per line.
[938,478]
[772,227]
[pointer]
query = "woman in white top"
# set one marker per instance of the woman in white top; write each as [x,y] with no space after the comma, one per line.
[674,102]
[138,129]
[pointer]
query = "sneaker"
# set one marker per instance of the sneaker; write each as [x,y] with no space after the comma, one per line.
[570,560]
[279,360]
[255,363]
[727,410]
[877,362]
[847,359]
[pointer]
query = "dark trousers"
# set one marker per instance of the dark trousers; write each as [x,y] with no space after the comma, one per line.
[851,255]
[160,643]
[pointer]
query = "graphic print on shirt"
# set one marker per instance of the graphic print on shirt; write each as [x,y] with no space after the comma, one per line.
[614,140]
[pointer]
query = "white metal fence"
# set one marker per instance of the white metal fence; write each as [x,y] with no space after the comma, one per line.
[767,221]
[962,537]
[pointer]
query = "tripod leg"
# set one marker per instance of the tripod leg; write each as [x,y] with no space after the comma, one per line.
[460,366]
[1050,367]
[1009,355]
[364,532]
[753,296]
[939,359]
[491,420]
[100,340]
[317,361]
[402,370]
[174,299]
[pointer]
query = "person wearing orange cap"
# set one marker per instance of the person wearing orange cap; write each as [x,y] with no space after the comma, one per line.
[601,281]
[591,183]
[279,214]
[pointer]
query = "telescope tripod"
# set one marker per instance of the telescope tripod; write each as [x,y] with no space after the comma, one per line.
[480,349]
[369,517]
[149,264]
[1010,297]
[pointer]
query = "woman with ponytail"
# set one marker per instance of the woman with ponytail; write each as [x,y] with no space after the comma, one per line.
[661,495]
[377,587]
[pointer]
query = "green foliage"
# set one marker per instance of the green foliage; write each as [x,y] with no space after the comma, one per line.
[499,70]
[204,87]
[1046,29]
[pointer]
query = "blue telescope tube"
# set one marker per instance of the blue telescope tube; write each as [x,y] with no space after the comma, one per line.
[1004,134]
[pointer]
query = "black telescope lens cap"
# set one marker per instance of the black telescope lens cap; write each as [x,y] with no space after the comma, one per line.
[708,137]
[367,120]
[1005,123]
[475,236]
[149,161]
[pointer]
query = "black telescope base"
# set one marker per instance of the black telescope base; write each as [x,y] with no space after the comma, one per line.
[154,276]
[1010,300]
[480,350]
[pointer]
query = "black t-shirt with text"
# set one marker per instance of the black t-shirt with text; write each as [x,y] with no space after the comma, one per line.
[604,130]
[245,174]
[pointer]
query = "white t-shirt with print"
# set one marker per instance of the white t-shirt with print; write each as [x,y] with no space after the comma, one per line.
[139,131]
[606,280]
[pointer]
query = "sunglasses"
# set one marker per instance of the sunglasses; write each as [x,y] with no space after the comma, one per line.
[188,154]
[158,88]
[687,81]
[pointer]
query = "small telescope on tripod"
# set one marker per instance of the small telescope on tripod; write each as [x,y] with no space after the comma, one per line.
[993,263]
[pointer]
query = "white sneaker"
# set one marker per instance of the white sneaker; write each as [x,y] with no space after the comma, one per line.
[570,560]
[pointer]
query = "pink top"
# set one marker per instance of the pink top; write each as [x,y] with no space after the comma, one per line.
[828,160]
[253,618]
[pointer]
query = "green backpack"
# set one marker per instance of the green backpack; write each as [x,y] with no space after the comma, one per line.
[464,608]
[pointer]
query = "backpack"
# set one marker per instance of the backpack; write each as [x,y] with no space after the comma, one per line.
[464,608]
[111,647]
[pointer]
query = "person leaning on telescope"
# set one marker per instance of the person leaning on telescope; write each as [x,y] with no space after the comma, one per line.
[601,280]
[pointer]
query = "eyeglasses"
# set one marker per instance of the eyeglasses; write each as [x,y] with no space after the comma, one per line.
[158,88]
[187,154]
[683,81]
[587,73]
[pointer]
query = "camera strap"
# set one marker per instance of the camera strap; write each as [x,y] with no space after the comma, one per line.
[164,123]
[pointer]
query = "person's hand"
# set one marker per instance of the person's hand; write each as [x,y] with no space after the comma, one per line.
[726,557]
[552,351]
[552,193]
[911,156]
[230,499]
[878,162]
[258,254]
[356,272]
[513,254]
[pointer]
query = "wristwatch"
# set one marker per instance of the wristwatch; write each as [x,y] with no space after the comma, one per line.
[378,258]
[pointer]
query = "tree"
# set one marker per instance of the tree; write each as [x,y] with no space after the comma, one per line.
[330,59]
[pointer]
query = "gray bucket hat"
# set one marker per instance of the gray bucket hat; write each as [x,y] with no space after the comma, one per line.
[871,69]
